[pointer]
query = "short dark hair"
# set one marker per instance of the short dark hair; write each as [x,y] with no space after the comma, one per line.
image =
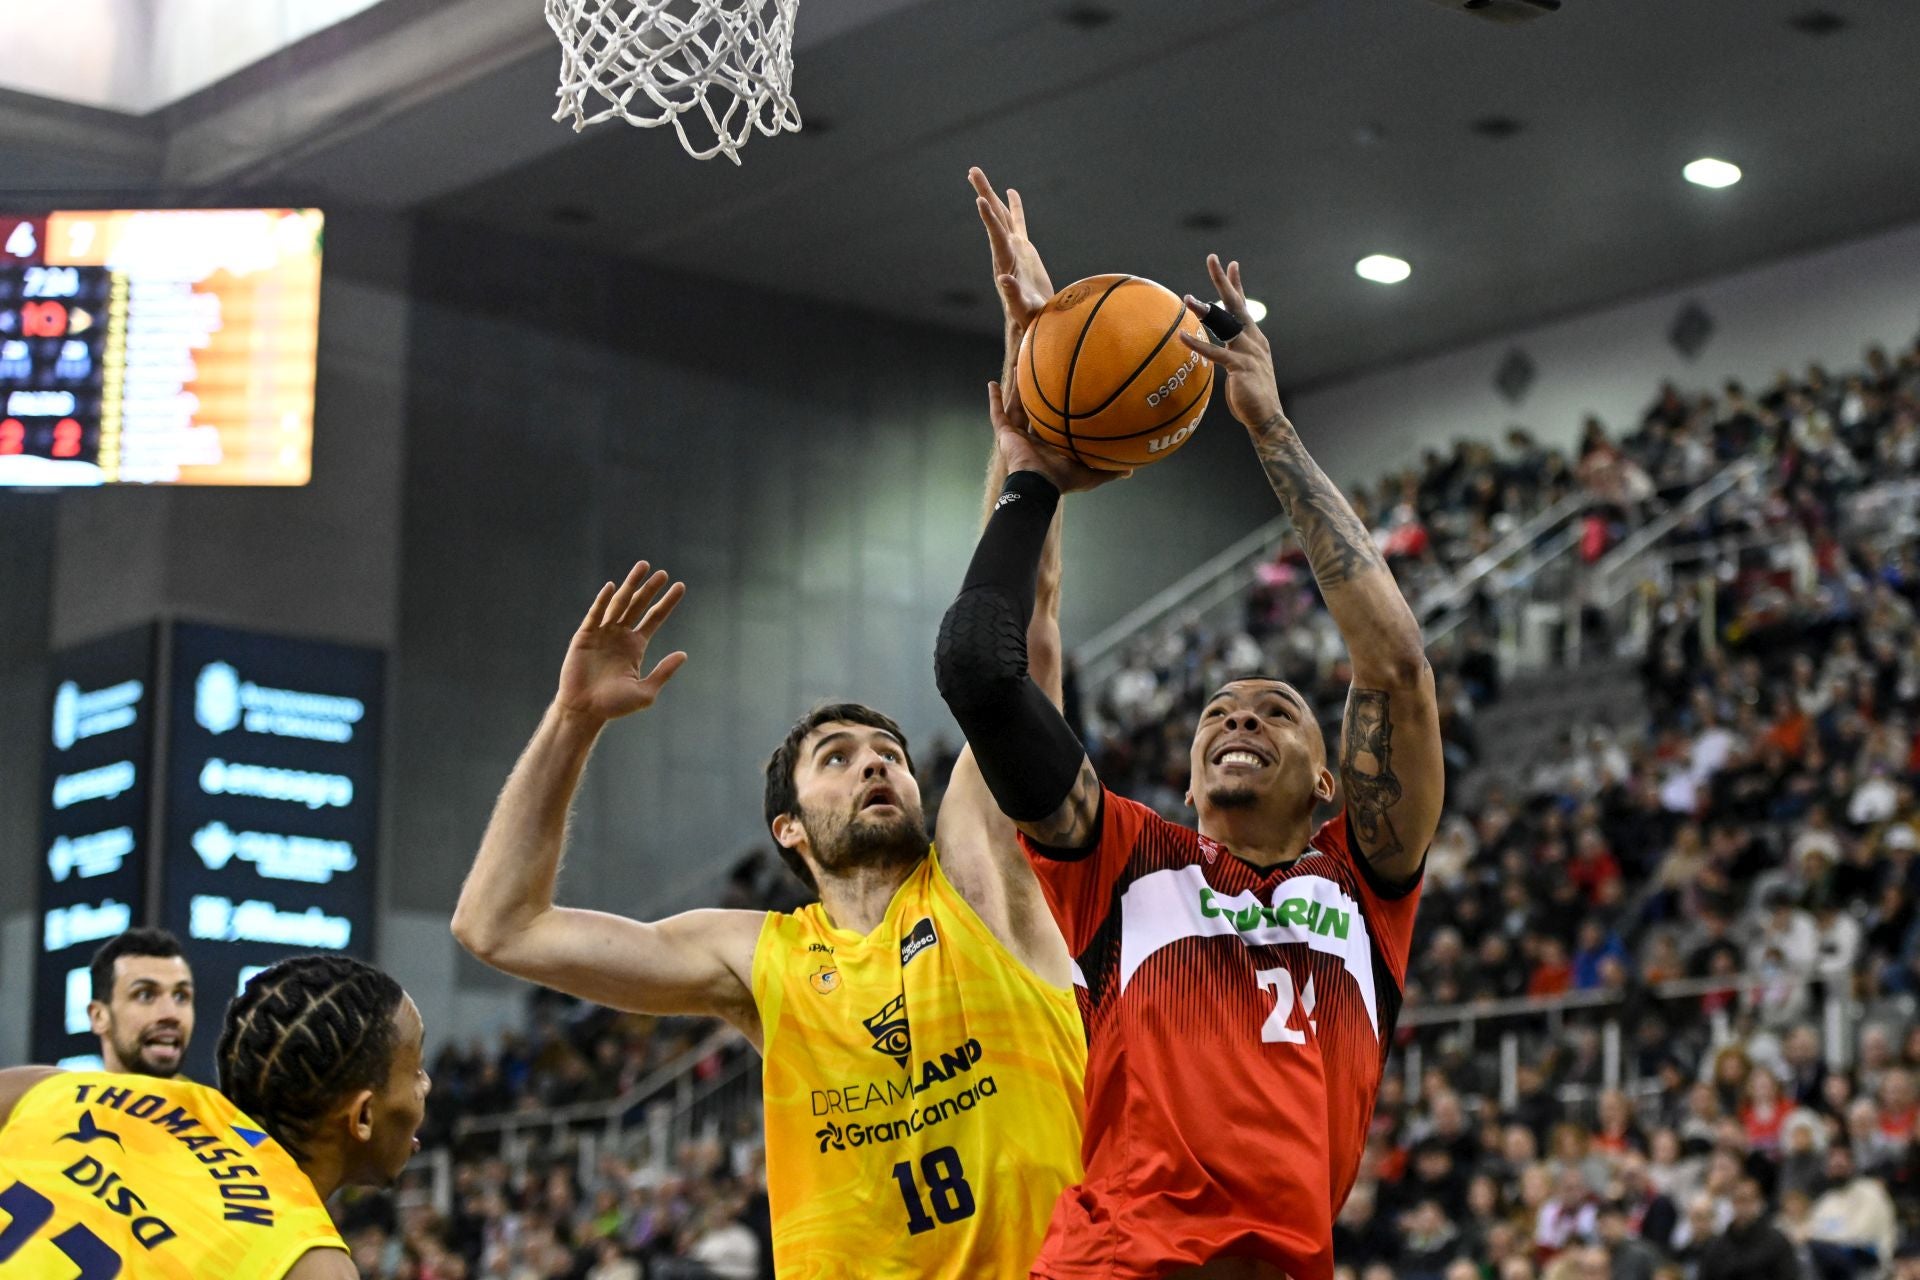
[302,1034]
[134,942]
[783,797]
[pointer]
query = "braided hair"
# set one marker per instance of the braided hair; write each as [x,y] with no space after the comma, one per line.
[301,1035]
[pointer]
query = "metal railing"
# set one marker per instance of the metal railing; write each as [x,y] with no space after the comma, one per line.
[1614,575]
[1226,575]
[672,1106]
[1549,1016]
[673,1083]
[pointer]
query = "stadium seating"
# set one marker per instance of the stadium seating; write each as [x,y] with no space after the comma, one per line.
[1669,937]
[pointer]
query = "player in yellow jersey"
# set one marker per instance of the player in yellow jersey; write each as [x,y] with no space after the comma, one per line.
[923,1049]
[321,1086]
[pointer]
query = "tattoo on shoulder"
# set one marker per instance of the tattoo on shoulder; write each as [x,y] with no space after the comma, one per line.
[1338,546]
[1071,825]
[1366,772]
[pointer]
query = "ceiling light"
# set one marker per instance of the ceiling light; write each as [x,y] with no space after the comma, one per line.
[1256,310]
[1708,172]
[1382,268]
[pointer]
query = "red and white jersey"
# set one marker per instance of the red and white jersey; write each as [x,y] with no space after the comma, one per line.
[1238,1021]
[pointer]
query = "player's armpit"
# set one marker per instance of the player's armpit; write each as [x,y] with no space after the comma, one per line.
[698,962]
[14,1083]
[1072,830]
[324,1264]
[1392,773]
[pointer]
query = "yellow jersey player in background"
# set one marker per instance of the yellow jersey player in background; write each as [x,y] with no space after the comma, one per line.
[923,1049]
[321,1086]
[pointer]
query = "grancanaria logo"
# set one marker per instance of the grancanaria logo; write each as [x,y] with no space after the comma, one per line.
[831,1136]
[889,1030]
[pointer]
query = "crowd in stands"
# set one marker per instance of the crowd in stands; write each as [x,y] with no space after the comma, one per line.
[1749,824]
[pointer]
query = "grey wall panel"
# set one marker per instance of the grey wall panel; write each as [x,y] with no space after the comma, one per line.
[27,547]
[813,474]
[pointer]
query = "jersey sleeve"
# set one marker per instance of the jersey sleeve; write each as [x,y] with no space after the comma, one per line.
[1079,887]
[1390,907]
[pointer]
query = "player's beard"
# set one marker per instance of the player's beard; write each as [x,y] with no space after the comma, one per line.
[843,844]
[1233,797]
[134,1056]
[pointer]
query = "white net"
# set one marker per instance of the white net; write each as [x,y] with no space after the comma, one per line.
[725,67]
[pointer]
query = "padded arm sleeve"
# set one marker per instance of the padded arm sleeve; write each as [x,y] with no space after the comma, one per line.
[1026,751]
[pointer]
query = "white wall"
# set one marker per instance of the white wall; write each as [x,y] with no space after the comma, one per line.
[87,51]
[138,55]
[198,42]
[1828,305]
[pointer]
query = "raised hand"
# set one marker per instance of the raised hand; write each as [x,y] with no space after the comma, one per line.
[1253,393]
[1021,452]
[605,675]
[1018,274]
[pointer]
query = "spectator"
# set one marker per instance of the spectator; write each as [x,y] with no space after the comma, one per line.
[1751,1248]
[1431,1241]
[1361,1237]
[1631,1258]
[1852,1227]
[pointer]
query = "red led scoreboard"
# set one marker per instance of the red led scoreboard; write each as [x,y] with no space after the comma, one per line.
[158,346]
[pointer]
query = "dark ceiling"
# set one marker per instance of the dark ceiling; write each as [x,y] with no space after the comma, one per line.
[1526,171]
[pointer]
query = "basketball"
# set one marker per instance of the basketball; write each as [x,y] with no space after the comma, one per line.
[1104,376]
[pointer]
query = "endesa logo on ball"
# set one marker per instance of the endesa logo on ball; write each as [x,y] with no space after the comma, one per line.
[1178,380]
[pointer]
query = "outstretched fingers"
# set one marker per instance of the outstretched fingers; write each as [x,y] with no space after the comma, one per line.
[1016,211]
[662,672]
[662,608]
[1227,280]
[597,611]
[991,205]
[1222,356]
[623,597]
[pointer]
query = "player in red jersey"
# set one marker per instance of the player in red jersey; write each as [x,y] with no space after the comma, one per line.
[1239,982]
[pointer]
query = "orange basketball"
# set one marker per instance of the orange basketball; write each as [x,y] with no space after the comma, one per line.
[1104,377]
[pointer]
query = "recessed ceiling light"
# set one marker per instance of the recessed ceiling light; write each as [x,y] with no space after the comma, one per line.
[1708,172]
[1256,310]
[1382,268]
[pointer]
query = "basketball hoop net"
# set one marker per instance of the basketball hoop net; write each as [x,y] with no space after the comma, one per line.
[727,64]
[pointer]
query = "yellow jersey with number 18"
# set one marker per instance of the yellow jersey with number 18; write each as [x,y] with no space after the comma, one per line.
[923,1092]
[131,1176]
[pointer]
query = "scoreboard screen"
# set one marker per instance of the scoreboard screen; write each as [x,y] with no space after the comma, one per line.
[158,346]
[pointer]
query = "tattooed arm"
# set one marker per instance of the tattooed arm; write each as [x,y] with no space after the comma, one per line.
[1390,755]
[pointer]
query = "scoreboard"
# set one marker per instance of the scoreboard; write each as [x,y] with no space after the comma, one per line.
[158,346]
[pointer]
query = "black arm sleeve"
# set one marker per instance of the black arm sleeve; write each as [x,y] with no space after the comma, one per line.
[1026,751]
